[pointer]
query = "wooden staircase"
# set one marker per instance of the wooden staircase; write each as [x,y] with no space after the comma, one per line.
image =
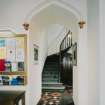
[51,74]
[57,72]
[66,65]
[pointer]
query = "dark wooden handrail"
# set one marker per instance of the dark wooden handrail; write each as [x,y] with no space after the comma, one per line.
[66,42]
[65,45]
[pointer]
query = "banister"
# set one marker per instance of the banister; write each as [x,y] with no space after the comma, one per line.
[65,45]
[66,42]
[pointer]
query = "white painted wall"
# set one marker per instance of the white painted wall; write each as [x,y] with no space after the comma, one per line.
[17,11]
[55,41]
[13,13]
[43,20]
[93,33]
[38,37]
[55,30]
[101,51]
[54,46]
[82,62]
[75,84]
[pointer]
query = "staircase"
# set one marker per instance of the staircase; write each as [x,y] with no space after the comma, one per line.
[58,68]
[51,74]
[66,65]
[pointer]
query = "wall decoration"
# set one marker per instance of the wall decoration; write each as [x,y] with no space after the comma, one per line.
[1,82]
[75,54]
[12,60]
[20,42]
[11,43]
[14,67]
[8,66]
[20,66]
[5,80]
[36,53]
[11,54]
[20,55]
[2,42]
[2,64]
[2,52]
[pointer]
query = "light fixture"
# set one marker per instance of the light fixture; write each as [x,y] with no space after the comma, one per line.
[26,25]
[81,24]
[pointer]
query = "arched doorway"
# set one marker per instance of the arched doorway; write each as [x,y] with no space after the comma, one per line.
[50,14]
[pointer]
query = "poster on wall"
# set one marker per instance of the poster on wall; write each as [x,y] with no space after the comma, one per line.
[75,54]
[19,42]
[11,49]
[2,64]
[11,43]
[20,55]
[2,52]
[14,66]
[36,53]
[20,66]
[2,43]
[11,54]
[8,66]
[2,49]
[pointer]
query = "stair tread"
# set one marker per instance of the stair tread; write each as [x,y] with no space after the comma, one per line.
[51,70]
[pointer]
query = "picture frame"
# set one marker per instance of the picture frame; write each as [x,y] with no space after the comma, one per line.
[36,53]
[74,53]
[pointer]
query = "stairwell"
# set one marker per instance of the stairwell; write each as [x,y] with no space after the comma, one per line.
[51,74]
[57,75]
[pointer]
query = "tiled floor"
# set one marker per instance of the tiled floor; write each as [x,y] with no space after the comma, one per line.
[53,98]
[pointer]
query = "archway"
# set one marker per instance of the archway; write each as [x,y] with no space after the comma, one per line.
[39,24]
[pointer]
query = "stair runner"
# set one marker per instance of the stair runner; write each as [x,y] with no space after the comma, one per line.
[51,74]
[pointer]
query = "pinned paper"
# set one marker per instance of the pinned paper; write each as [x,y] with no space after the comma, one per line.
[20,42]
[8,66]
[1,81]
[2,64]
[14,67]
[20,55]
[11,43]
[21,66]
[11,55]
[2,53]
[2,42]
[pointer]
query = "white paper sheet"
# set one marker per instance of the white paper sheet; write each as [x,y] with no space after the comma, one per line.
[14,67]
[11,55]
[2,53]
[2,42]
[20,42]
[20,55]
[11,43]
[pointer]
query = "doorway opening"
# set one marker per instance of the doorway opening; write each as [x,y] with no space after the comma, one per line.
[42,22]
[57,75]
